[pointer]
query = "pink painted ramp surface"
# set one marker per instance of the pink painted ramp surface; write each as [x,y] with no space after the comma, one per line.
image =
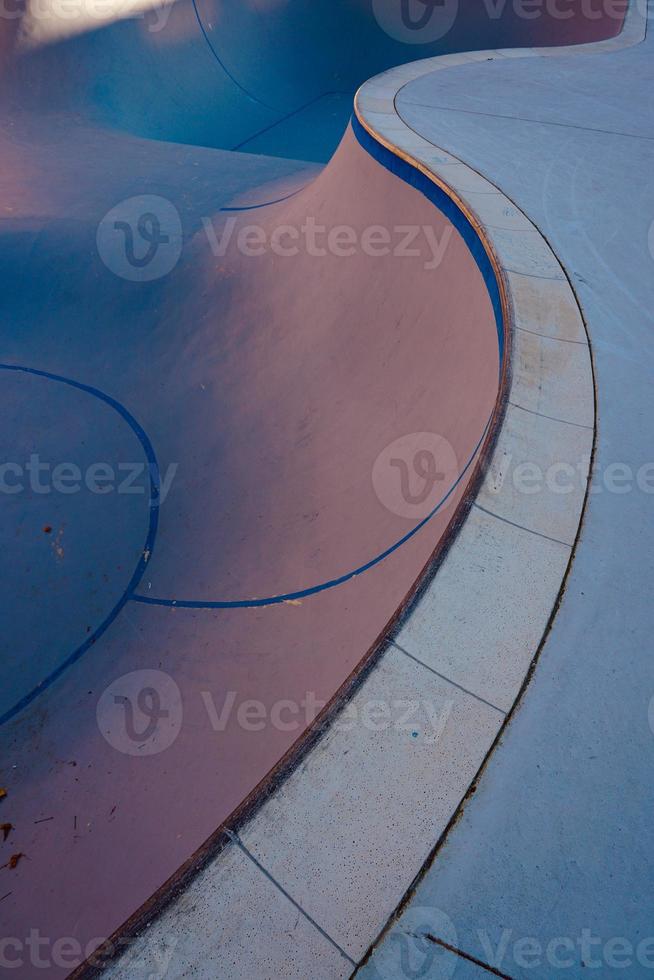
[307,406]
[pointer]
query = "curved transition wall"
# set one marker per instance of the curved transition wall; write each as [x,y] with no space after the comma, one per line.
[278,387]
[219,72]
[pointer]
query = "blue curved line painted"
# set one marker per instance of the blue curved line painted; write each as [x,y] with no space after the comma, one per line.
[265,204]
[155,486]
[224,67]
[314,590]
[250,95]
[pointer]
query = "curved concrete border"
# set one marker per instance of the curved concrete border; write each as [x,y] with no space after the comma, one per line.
[307,885]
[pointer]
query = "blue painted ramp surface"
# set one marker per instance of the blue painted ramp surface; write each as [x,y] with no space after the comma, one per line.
[272,78]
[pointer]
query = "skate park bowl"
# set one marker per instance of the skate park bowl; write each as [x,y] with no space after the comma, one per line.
[253,363]
[274,77]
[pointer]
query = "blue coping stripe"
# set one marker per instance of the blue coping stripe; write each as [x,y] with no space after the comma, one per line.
[153,522]
[416,178]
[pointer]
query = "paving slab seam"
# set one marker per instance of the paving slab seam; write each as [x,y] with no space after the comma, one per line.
[346,837]
[466,956]
[447,679]
[550,417]
[521,527]
[239,843]
[563,340]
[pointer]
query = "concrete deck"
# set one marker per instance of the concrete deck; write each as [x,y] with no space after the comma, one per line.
[557,842]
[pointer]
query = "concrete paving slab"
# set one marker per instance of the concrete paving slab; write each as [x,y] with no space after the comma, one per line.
[350,828]
[543,307]
[526,572]
[496,213]
[554,379]
[539,480]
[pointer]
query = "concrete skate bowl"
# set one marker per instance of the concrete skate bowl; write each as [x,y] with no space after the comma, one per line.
[230,467]
[269,76]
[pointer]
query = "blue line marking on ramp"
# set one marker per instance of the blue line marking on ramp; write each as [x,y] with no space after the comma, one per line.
[411,175]
[315,589]
[155,485]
